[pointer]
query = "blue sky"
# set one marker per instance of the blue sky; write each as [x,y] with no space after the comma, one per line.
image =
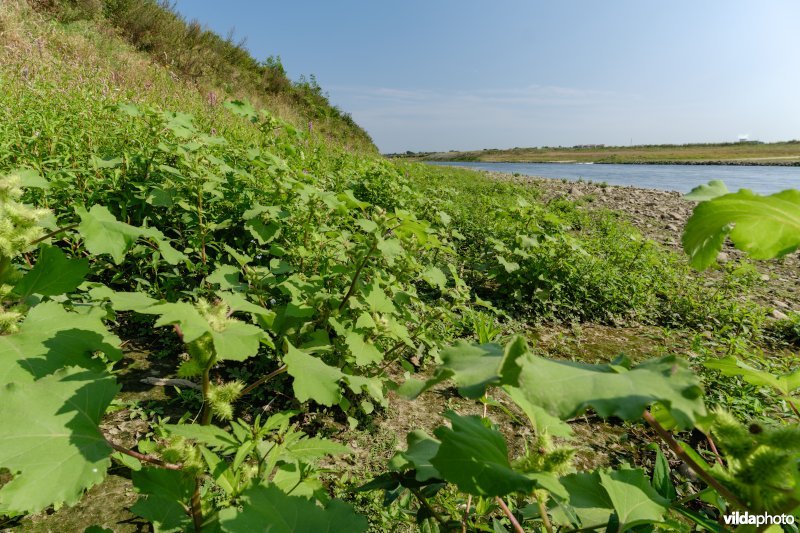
[470,74]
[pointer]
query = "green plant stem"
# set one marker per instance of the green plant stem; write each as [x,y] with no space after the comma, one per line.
[205,414]
[144,457]
[357,274]
[543,514]
[509,514]
[54,233]
[466,514]
[424,502]
[794,408]
[196,509]
[681,453]
[263,380]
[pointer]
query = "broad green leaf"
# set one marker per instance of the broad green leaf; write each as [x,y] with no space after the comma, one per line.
[211,436]
[634,500]
[51,442]
[313,379]
[314,447]
[763,226]
[227,277]
[565,389]
[29,178]
[473,367]
[421,449]
[263,506]
[53,274]
[166,495]
[123,301]
[730,366]
[661,481]
[363,350]
[541,420]
[106,161]
[51,338]
[104,234]
[708,191]
[435,277]
[376,299]
[170,254]
[184,314]
[475,458]
[588,500]
[237,341]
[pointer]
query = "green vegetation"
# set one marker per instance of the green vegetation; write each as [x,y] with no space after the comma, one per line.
[222,310]
[744,153]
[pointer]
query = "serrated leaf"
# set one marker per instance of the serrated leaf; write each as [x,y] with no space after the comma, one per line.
[170,254]
[634,500]
[314,447]
[104,234]
[541,421]
[473,367]
[435,277]
[51,338]
[763,226]
[53,274]
[588,500]
[422,448]
[376,299]
[166,495]
[227,277]
[565,389]
[237,341]
[313,379]
[730,366]
[475,458]
[262,505]
[29,178]
[364,351]
[708,191]
[51,442]
[211,436]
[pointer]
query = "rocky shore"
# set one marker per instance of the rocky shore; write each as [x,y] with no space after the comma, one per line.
[661,216]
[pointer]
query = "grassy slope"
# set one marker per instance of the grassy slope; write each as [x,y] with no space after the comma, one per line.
[217,68]
[741,153]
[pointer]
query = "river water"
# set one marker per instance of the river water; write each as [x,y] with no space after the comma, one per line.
[682,178]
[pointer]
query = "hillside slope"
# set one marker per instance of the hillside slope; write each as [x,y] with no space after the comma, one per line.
[217,68]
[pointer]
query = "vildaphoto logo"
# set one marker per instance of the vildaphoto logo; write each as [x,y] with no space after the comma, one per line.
[741,519]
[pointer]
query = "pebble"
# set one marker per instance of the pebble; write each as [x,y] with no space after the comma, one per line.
[781,304]
[672,227]
[779,315]
[722,257]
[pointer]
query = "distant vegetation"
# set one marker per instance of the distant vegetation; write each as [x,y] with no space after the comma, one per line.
[746,153]
[219,67]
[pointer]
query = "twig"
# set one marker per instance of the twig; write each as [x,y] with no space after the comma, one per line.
[196,510]
[424,502]
[358,274]
[146,458]
[686,458]
[53,233]
[263,380]
[509,514]
[714,449]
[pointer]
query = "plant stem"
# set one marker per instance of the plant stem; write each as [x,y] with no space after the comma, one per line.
[145,458]
[794,408]
[686,458]
[205,414]
[197,511]
[263,380]
[54,233]
[357,274]
[424,502]
[543,514]
[714,449]
[509,514]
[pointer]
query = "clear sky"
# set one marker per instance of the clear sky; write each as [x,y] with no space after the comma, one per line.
[470,74]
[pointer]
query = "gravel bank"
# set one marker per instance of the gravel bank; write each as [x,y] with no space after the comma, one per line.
[661,216]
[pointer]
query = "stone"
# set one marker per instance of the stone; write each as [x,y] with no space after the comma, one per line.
[779,315]
[722,257]
[672,227]
[780,304]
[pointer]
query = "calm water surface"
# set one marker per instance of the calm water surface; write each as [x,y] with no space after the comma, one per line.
[683,178]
